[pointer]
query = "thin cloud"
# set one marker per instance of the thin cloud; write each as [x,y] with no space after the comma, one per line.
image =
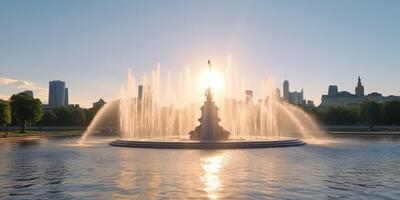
[39,92]
[4,97]
[20,84]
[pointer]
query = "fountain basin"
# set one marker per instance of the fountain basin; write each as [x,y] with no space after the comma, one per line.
[229,144]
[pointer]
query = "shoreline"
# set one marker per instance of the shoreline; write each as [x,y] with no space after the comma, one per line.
[44,134]
[76,133]
[362,130]
[361,133]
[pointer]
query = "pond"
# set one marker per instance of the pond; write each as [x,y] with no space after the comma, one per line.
[348,168]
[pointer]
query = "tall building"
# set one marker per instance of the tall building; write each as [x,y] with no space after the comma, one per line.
[359,88]
[99,103]
[277,93]
[333,90]
[66,97]
[57,93]
[145,93]
[286,93]
[344,98]
[140,92]
[339,99]
[292,97]
[296,97]
[310,104]
[249,96]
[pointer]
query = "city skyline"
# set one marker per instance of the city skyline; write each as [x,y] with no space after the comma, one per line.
[91,45]
[58,95]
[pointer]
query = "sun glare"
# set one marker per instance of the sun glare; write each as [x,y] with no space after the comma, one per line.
[211,78]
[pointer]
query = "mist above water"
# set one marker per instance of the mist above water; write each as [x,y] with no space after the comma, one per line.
[168,108]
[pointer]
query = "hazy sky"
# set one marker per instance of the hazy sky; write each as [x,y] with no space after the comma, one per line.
[91,44]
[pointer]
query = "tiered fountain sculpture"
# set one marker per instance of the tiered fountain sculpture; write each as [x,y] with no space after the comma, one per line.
[209,129]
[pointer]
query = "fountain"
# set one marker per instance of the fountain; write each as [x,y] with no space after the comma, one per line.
[146,124]
[209,130]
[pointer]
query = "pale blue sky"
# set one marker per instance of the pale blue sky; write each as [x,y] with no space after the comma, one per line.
[91,44]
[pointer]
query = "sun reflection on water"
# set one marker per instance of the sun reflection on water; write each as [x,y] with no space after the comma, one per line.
[212,167]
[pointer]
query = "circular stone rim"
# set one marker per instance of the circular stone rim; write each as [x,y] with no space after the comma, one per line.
[207,145]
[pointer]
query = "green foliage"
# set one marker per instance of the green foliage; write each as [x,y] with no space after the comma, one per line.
[367,113]
[90,113]
[338,116]
[78,116]
[25,109]
[64,116]
[5,113]
[49,118]
[391,112]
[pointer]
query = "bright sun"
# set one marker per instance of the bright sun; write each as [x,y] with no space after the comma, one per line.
[211,78]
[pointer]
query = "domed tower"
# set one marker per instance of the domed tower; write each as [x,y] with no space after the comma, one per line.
[359,88]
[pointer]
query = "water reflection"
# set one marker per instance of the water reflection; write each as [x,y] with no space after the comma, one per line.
[350,169]
[134,173]
[211,179]
[126,176]
[31,171]
[29,142]
[53,178]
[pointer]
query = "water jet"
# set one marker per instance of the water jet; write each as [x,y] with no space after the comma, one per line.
[144,124]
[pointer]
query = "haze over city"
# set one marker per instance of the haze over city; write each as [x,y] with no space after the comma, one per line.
[91,44]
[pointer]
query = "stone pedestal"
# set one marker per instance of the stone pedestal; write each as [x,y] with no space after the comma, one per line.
[209,129]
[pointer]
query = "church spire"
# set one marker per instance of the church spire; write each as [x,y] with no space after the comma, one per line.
[359,88]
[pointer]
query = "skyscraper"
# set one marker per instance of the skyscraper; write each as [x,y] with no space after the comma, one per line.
[140,92]
[57,93]
[292,97]
[249,96]
[333,90]
[277,93]
[296,97]
[286,93]
[66,102]
[359,88]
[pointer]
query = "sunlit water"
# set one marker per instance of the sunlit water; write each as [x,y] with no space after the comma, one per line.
[356,168]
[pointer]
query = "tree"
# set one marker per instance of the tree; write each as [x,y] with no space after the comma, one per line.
[49,118]
[78,116]
[391,112]
[25,109]
[64,116]
[370,112]
[339,116]
[89,115]
[5,113]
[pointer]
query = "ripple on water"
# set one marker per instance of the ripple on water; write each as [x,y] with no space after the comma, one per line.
[319,171]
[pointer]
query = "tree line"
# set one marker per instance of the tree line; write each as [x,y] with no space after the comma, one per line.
[24,110]
[367,113]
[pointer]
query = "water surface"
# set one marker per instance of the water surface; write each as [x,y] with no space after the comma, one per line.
[351,168]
